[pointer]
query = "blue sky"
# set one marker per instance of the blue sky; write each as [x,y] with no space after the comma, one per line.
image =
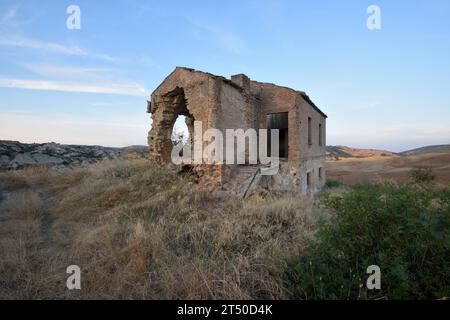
[387,88]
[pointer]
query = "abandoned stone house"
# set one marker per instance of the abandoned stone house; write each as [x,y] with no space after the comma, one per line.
[241,103]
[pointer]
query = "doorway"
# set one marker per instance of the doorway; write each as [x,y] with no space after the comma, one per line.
[278,121]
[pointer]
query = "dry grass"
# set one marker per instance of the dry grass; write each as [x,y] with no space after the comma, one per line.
[21,261]
[379,169]
[143,233]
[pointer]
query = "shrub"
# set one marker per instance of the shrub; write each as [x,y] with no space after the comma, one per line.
[422,175]
[403,230]
[332,184]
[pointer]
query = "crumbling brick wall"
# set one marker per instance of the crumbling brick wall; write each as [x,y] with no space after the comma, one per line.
[238,103]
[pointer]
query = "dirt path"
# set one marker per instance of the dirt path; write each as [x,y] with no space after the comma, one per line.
[4,197]
[46,220]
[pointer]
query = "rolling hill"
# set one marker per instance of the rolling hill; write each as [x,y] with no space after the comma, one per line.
[337,152]
[443,148]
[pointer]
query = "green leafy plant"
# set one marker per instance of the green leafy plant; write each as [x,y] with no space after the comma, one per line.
[402,229]
[332,184]
[422,175]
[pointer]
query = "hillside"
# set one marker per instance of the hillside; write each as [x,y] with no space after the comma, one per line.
[350,165]
[17,155]
[337,152]
[139,232]
[443,148]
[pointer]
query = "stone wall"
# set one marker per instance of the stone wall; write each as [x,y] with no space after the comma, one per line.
[312,156]
[238,103]
[303,158]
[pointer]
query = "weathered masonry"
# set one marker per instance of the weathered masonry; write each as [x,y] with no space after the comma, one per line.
[241,103]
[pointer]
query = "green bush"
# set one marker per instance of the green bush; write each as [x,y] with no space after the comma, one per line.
[422,175]
[402,229]
[332,184]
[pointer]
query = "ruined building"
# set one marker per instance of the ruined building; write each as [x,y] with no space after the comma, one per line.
[241,103]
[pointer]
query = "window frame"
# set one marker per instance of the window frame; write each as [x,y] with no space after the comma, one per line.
[309,131]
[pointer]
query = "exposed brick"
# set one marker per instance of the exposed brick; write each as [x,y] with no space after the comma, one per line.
[238,103]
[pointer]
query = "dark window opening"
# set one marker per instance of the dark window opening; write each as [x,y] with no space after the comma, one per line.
[308,179]
[320,134]
[320,173]
[309,131]
[278,121]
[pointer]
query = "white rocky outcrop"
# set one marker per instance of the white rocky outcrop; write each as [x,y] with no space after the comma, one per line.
[16,155]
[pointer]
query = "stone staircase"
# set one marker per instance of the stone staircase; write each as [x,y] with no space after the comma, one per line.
[246,178]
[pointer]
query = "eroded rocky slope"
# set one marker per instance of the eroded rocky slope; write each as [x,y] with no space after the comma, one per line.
[17,155]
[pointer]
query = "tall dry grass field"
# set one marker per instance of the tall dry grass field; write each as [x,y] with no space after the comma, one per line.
[138,232]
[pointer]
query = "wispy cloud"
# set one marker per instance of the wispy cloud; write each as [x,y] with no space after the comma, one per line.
[66,72]
[75,79]
[130,88]
[225,38]
[10,18]
[52,47]
[72,130]
[392,136]
[368,105]
[9,15]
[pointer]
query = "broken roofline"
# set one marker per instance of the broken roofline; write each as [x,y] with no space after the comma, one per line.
[235,85]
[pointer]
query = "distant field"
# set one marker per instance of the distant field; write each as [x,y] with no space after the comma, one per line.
[339,152]
[444,148]
[374,169]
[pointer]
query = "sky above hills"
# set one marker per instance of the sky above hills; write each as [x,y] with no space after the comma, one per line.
[387,88]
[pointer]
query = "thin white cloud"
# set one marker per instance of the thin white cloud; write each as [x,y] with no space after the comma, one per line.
[227,39]
[10,18]
[394,136]
[66,72]
[375,104]
[9,21]
[40,45]
[9,15]
[367,105]
[130,88]
[23,42]
[71,130]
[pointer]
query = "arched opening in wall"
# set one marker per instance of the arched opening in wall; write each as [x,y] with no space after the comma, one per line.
[172,123]
[180,131]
